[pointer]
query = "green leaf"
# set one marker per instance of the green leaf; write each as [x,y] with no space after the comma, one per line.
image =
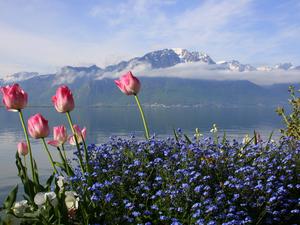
[255,138]
[59,164]
[27,183]
[21,168]
[36,173]
[246,145]
[224,139]
[187,139]
[49,181]
[11,198]
[270,138]
[39,187]
[176,136]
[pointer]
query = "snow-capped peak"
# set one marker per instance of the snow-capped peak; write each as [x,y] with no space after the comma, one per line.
[178,51]
[264,68]
[284,66]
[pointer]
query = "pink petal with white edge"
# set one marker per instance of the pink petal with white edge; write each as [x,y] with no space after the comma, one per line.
[54,143]
[71,140]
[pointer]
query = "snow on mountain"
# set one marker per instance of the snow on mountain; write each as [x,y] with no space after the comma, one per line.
[294,68]
[221,62]
[284,66]
[186,56]
[235,65]
[264,68]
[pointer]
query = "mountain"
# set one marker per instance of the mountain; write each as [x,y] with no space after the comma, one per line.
[158,91]
[95,86]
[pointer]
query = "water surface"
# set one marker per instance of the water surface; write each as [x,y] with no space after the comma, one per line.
[102,122]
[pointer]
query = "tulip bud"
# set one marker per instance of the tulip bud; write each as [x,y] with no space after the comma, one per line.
[22,148]
[38,127]
[59,135]
[129,84]
[14,97]
[63,100]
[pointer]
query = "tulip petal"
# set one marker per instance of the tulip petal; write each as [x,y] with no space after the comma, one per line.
[83,132]
[38,127]
[63,100]
[129,84]
[54,143]
[14,97]
[71,140]
[22,148]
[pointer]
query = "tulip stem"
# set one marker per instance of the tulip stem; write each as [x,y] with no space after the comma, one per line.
[144,120]
[29,148]
[25,168]
[26,173]
[87,161]
[50,157]
[66,162]
[77,144]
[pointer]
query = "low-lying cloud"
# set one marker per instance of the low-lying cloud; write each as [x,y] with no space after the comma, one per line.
[200,70]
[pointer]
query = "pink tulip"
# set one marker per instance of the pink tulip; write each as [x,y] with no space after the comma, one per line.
[129,84]
[38,127]
[78,133]
[59,135]
[22,148]
[14,97]
[63,99]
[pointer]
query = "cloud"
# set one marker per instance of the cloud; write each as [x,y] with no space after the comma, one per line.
[201,70]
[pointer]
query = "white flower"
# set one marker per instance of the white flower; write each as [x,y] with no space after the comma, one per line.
[61,181]
[41,197]
[214,130]
[71,200]
[18,207]
[246,139]
[10,219]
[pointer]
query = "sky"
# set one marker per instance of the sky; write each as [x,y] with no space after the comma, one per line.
[43,36]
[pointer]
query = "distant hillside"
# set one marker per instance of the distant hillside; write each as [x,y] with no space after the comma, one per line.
[160,91]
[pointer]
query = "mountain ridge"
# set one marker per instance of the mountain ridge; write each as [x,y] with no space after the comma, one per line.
[159,59]
[94,86]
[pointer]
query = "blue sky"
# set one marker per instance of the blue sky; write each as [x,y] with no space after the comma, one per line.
[43,36]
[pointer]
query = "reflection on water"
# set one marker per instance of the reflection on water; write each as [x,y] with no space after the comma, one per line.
[101,123]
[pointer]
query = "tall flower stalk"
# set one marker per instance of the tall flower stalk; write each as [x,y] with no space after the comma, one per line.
[143,116]
[130,85]
[76,143]
[49,155]
[60,137]
[29,148]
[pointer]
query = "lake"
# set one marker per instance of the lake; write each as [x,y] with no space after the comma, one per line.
[102,122]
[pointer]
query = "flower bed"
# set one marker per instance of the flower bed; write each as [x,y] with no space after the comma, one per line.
[174,182]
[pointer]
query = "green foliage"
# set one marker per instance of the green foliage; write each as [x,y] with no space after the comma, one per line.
[11,198]
[292,121]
